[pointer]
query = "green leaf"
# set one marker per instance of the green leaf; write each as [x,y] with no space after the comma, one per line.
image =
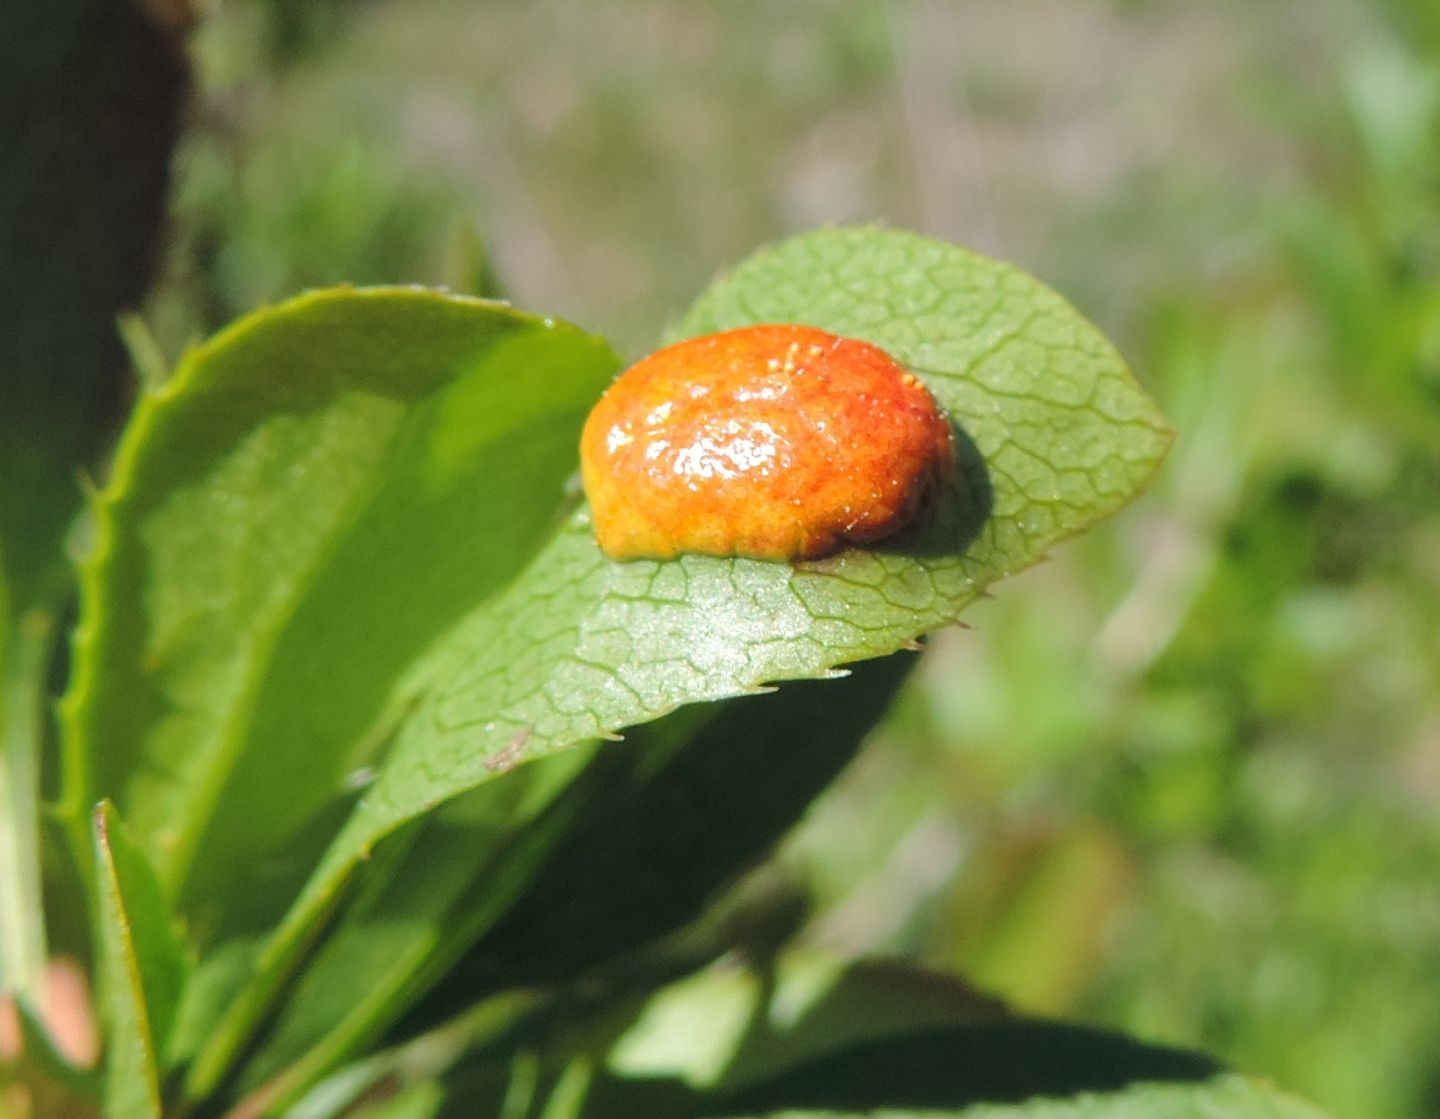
[292,519]
[581,646]
[1054,433]
[142,969]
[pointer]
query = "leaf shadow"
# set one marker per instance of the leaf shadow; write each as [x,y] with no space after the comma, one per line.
[962,508]
[965,1065]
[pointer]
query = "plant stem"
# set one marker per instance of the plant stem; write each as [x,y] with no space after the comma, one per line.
[22,923]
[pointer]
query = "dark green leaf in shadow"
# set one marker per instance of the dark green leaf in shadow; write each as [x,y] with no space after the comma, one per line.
[996,1062]
[816,1035]
[1221,1097]
[628,852]
[663,825]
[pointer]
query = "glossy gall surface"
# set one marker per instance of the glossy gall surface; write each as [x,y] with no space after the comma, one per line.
[777,442]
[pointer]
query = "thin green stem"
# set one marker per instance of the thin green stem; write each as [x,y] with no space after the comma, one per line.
[23,658]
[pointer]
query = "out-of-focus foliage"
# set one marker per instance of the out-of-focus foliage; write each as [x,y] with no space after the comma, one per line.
[1182,781]
[1205,804]
[90,96]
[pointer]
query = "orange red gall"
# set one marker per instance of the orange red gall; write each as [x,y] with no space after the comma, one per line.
[778,442]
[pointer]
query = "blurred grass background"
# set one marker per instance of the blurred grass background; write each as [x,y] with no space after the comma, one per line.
[1184,778]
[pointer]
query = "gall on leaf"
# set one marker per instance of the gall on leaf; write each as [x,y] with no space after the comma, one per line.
[777,442]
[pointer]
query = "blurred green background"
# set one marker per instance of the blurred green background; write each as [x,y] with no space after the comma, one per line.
[1184,778]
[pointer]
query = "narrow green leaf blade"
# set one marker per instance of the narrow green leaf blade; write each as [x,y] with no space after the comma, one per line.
[142,970]
[293,518]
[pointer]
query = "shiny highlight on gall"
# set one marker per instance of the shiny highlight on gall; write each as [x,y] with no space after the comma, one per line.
[778,442]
